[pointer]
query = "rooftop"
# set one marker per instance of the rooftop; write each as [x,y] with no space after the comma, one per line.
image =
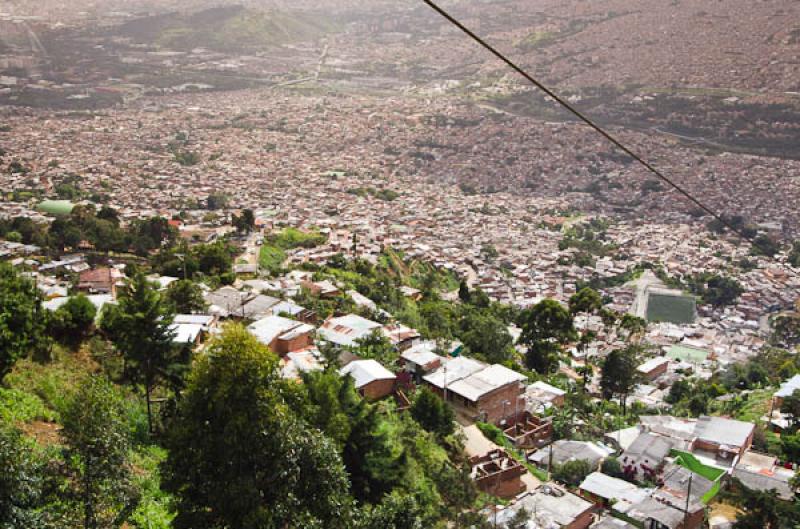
[366,371]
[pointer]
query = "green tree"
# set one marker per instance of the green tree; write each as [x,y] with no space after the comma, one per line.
[377,346]
[246,222]
[791,406]
[786,331]
[765,245]
[185,297]
[22,318]
[110,214]
[794,255]
[375,461]
[432,413]
[396,511]
[763,510]
[96,450]
[612,467]
[546,328]
[21,481]
[73,321]
[586,300]
[140,327]
[486,337]
[463,292]
[333,400]
[542,357]
[619,375]
[214,259]
[548,321]
[238,454]
[632,325]
[572,472]
[216,201]
[519,520]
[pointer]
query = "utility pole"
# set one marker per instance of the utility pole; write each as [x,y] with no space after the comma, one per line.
[182,257]
[688,499]
[445,382]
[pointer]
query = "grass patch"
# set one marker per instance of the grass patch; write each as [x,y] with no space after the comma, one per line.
[271,258]
[291,238]
[154,511]
[17,406]
[51,383]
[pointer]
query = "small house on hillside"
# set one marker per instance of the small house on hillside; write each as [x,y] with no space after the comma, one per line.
[282,335]
[371,379]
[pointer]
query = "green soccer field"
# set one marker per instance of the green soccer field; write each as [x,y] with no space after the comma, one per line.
[671,309]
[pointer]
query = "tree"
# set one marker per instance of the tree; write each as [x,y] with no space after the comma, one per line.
[794,255]
[140,327]
[586,300]
[96,452]
[246,222]
[765,245]
[487,337]
[214,259]
[763,510]
[185,297]
[20,481]
[108,213]
[542,357]
[73,321]
[612,467]
[396,511]
[786,331]
[377,346]
[619,375]
[716,290]
[791,406]
[546,328]
[463,292]
[432,413]
[572,472]
[238,454]
[632,325]
[519,520]
[22,318]
[374,460]
[216,201]
[548,320]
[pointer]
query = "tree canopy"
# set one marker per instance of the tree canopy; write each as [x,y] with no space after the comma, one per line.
[22,318]
[239,455]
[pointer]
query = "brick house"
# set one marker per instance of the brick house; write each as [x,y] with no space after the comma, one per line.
[99,281]
[654,368]
[725,438]
[282,335]
[529,431]
[498,474]
[489,393]
[372,380]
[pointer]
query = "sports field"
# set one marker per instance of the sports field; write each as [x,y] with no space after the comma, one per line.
[671,309]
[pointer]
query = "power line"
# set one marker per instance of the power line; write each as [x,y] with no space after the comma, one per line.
[597,128]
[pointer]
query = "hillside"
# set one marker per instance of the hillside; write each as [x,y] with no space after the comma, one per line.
[228,29]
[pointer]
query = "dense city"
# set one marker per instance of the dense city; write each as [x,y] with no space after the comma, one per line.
[296,266]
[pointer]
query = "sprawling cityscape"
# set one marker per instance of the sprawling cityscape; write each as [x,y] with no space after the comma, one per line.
[327,264]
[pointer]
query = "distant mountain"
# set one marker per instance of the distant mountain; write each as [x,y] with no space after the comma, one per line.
[229,29]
